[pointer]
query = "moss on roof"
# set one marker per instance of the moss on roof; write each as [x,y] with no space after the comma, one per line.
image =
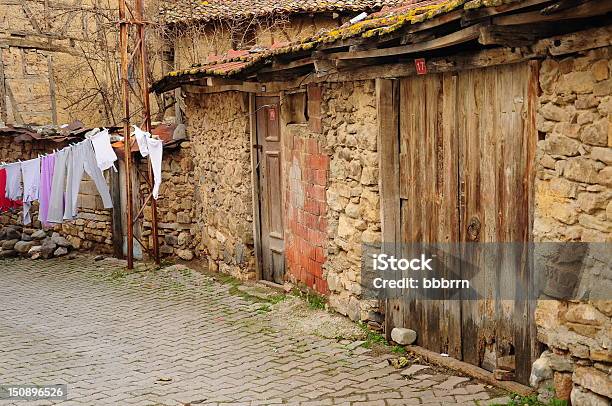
[378,24]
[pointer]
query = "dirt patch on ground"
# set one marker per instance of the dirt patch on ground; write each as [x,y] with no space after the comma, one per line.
[293,313]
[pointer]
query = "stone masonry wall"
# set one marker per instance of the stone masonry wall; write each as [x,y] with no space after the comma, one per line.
[175,205]
[573,203]
[349,126]
[218,127]
[92,229]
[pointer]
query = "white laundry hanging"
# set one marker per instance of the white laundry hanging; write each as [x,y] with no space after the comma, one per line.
[105,155]
[153,147]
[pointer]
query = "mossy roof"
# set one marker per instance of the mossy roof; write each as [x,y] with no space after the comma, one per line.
[379,24]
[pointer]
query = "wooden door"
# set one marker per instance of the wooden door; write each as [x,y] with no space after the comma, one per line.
[496,153]
[270,190]
[466,151]
[428,199]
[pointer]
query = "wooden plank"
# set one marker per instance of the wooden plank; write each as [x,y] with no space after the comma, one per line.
[471,16]
[470,370]
[457,37]
[278,66]
[52,90]
[14,106]
[116,214]
[529,332]
[255,186]
[449,219]
[387,107]
[585,10]
[514,35]
[3,102]
[43,46]
[576,42]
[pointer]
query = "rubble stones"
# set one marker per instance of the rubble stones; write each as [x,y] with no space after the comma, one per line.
[60,252]
[9,244]
[39,234]
[47,248]
[23,247]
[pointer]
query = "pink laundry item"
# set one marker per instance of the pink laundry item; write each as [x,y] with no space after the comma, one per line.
[46,179]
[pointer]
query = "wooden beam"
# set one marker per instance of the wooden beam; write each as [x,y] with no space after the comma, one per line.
[387,112]
[3,111]
[470,370]
[279,66]
[575,42]
[458,37]
[514,35]
[16,115]
[585,10]
[43,46]
[471,16]
[52,90]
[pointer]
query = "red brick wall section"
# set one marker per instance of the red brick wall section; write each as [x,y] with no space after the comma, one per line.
[307,170]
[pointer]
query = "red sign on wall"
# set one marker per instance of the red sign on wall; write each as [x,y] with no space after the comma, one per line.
[421,67]
[272,114]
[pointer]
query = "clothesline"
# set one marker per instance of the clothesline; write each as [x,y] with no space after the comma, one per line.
[54,179]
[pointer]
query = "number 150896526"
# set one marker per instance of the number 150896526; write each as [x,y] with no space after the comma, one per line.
[33,392]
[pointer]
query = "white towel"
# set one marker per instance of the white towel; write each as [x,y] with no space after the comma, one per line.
[105,155]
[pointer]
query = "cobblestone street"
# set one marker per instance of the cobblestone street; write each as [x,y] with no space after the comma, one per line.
[115,340]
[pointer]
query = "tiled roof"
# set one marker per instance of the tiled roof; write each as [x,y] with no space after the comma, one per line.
[185,11]
[378,24]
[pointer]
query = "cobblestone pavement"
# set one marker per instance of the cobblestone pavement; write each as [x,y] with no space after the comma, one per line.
[115,342]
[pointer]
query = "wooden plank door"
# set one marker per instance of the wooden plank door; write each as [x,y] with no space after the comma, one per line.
[428,201]
[496,145]
[270,190]
[466,154]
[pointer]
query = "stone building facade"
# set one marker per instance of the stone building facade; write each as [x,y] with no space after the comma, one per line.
[574,203]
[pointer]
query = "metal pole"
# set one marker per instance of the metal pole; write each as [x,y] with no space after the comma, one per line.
[139,14]
[123,40]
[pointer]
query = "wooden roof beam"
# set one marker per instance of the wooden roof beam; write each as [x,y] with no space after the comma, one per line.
[515,35]
[589,9]
[471,16]
[458,37]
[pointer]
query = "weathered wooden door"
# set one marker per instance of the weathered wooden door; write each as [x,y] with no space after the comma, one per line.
[270,190]
[466,144]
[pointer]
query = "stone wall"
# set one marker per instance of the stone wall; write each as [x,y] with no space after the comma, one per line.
[349,126]
[175,206]
[218,127]
[92,229]
[573,203]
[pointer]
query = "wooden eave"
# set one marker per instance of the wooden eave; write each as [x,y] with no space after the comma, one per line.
[461,39]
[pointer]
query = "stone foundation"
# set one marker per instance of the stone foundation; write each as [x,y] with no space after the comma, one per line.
[573,203]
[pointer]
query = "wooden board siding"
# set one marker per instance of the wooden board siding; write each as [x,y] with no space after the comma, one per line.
[466,146]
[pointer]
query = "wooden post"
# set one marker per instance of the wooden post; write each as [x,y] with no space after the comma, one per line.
[146,112]
[123,40]
[387,106]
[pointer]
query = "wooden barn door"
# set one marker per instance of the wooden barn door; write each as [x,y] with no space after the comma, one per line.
[466,144]
[270,190]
